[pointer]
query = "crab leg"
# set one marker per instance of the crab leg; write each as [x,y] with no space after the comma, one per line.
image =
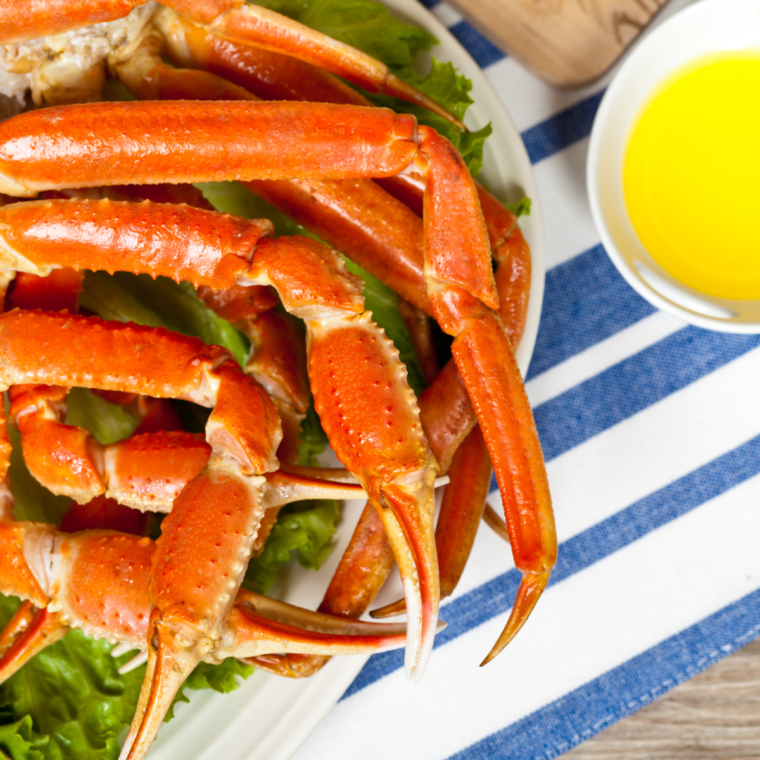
[235,19]
[335,142]
[387,241]
[313,284]
[113,601]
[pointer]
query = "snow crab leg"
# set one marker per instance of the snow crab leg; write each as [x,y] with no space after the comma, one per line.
[388,242]
[356,217]
[332,142]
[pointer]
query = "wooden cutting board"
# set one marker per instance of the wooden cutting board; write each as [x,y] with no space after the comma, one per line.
[568,43]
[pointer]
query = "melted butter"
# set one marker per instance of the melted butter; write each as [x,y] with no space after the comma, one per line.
[691,175]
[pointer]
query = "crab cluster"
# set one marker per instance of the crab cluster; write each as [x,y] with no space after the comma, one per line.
[180,599]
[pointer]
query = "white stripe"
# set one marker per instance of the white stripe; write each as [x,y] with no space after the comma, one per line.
[561,180]
[583,627]
[446,15]
[529,100]
[601,356]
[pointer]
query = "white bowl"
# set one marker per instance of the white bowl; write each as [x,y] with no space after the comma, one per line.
[709,26]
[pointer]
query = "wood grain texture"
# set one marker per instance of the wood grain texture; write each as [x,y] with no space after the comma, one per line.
[568,43]
[715,716]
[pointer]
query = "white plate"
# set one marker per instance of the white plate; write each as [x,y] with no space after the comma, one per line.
[709,26]
[268,717]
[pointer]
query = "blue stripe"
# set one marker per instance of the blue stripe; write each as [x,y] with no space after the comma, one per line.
[585,301]
[476,44]
[601,540]
[634,384]
[430,3]
[561,130]
[579,715]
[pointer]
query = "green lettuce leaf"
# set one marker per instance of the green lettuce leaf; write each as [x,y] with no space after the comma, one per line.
[234,198]
[19,741]
[223,678]
[364,25]
[307,529]
[107,422]
[521,208]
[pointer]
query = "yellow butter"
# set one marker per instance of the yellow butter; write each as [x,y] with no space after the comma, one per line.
[691,175]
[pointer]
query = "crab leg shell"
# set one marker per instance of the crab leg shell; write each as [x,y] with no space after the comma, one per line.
[278,363]
[44,630]
[136,144]
[267,74]
[20,622]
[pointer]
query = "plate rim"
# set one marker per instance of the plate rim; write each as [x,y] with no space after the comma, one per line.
[309,700]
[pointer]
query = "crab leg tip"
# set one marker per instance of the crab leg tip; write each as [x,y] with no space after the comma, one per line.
[531,588]
[43,629]
[390,610]
[139,659]
[400,89]
[169,665]
[492,519]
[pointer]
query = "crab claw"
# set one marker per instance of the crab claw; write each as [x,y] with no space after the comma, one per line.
[170,662]
[410,534]
[532,586]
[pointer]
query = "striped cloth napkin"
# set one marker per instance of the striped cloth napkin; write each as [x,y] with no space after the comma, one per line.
[651,432]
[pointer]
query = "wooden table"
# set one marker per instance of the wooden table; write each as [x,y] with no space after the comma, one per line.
[714,715]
